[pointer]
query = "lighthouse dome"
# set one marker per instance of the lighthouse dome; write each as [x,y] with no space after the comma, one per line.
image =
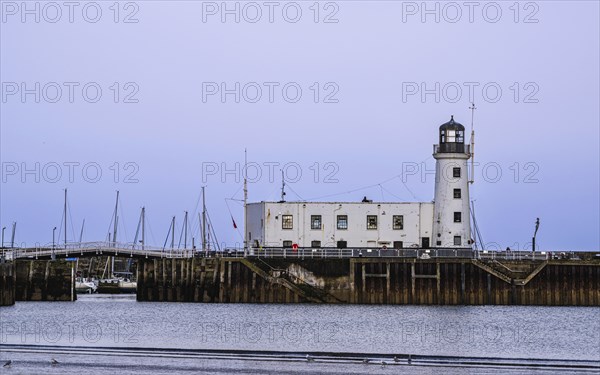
[452,125]
[452,137]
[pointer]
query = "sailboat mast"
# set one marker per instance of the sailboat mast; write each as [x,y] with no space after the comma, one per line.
[208,237]
[472,108]
[173,233]
[143,227]
[115,221]
[245,202]
[203,220]
[199,221]
[81,232]
[12,236]
[185,220]
[65,210]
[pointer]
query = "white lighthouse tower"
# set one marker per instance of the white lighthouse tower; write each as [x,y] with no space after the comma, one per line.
[451,212]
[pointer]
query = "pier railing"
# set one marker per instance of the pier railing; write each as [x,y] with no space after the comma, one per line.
[95,248]
[75,250]
[304,253]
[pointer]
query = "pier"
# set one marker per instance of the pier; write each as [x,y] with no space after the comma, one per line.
[337,276]
[37,280]
[373,280]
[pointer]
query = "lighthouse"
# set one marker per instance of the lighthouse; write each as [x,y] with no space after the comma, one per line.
[451,211]
[370,225]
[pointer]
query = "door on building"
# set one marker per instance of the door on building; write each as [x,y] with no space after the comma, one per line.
[425,242]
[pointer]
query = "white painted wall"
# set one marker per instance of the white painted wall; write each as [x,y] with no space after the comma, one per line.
[444,227]
[255,219]
[265,223]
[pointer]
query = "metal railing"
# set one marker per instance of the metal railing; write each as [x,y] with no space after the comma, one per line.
[98,248]
[400,253]
[459,148]
[524,255]
[131,249]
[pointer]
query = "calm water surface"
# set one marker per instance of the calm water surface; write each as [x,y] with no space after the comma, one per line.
[515,332]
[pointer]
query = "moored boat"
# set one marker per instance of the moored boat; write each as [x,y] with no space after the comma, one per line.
[85,286]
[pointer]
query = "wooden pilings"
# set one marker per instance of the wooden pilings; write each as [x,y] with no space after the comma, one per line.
[369,281]
[7,284]
[44,280]
[206,280]
[176,280]
[354,281]
[447,282]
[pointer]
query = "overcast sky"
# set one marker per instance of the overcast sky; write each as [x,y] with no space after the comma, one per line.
[166,99]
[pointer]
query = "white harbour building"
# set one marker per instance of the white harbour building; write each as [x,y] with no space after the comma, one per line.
[443,223]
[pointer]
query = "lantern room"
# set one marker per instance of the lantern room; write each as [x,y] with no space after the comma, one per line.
[452,137]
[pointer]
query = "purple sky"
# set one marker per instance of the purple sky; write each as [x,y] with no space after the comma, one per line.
[368,125]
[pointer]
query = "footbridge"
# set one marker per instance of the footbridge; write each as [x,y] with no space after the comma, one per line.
[92,249]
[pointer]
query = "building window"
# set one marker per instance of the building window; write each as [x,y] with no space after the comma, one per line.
[371,221]
[342,244]
[457,217]
[457,193]
[315,221]
[398,244]
[456,172]
[315,244]
[287,222]
[398,222]
[342,222]
[457,240]
[287,244]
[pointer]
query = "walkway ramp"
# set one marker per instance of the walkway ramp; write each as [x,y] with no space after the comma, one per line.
[520,275]
[305,291]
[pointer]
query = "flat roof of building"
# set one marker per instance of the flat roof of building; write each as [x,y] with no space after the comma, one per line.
[337,202]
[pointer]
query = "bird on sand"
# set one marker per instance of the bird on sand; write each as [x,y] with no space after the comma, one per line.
[54,362]
[8,363]
[309,358]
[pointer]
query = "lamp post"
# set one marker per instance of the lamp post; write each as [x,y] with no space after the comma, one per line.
[53,238]
[2,259]
[537,226]
[53,243]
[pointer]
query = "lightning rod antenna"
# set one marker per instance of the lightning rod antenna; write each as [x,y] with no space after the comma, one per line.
[282,187]
[472,108]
